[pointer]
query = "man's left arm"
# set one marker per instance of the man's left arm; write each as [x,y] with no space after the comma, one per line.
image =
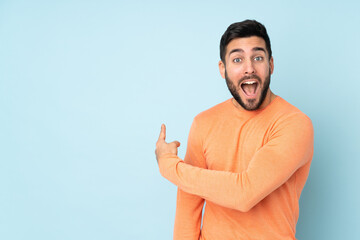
[289,148]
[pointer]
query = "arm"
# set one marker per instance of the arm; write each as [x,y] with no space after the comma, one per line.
[289,148]
[188,206]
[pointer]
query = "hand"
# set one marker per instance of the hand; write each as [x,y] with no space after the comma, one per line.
[163,147]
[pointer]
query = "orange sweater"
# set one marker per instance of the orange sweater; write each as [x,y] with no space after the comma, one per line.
[249,166]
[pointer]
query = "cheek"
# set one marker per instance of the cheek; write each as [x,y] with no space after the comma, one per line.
[234,73]
[262,72]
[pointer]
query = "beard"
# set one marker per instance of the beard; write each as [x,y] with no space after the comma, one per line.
[250,104]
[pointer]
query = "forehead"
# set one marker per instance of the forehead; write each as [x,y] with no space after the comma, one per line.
[246,44]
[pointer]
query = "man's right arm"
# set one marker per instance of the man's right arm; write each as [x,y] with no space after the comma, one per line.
[189,207]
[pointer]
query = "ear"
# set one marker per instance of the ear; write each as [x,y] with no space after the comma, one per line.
[271,63]
[222,69]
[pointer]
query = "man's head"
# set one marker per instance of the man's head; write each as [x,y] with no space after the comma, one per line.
[247,28]
[246,63]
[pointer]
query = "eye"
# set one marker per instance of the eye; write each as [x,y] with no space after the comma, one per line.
[258,58]
[237,60]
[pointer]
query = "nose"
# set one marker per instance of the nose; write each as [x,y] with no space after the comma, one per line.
[249,68]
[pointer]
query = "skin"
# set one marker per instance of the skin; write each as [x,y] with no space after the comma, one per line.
[162,147]
[246,59]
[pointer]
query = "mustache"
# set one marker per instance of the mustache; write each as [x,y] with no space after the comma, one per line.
[253,76]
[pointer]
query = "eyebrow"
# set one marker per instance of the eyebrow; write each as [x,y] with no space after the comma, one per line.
[241,50]
[259,49]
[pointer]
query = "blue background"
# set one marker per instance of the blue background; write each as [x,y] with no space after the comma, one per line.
[85,85]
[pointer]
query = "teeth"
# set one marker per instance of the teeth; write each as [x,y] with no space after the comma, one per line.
[250,82]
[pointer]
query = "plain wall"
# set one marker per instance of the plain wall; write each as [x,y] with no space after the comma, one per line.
[85,85]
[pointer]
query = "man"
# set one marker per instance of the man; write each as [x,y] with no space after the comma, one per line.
[248,157]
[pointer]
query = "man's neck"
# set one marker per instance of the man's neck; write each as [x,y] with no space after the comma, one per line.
[270,96]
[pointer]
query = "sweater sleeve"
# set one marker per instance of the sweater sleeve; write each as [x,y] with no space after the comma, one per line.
[290,146]
[189,207]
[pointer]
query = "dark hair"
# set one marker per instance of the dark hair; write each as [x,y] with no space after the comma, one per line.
[247,28]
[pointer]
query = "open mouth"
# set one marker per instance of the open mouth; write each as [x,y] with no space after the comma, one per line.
[250,87]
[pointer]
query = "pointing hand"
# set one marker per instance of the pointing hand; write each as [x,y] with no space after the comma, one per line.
[162,147]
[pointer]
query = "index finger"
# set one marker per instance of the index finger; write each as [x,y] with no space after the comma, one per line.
[162,135]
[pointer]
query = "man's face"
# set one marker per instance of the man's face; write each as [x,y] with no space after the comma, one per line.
[247,71]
